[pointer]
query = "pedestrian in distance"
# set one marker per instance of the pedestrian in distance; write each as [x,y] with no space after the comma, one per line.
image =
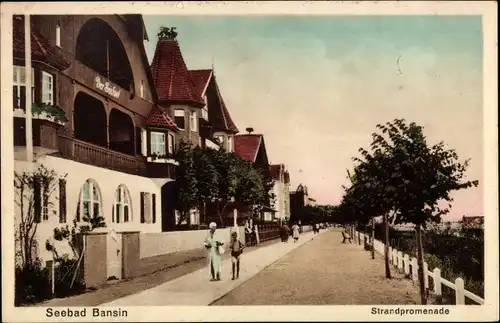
[295,232]
[236,248]
[286,232]
[215,250]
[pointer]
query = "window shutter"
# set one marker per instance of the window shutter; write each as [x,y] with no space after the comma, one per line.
[153,202]
[144,145]
[142,207]
[37,199]
[62,201]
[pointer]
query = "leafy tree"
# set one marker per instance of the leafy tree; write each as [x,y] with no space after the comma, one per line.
[187,182]
[34,194]
[409,177]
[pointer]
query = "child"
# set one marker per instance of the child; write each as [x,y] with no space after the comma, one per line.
[236,250]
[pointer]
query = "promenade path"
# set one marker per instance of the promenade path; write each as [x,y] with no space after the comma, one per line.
[197,289]
[325,272]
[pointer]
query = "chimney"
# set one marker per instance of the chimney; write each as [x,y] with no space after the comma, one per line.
[249,130]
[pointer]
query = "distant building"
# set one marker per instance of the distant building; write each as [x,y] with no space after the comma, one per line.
[298,200]
[281,190]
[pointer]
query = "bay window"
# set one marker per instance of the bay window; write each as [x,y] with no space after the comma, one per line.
[19,87]
[193,121]
[47,88]
[229,144]
[157,143]
[180,119]
[170,143]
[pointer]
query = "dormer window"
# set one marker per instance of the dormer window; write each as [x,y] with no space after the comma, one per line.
[58,35]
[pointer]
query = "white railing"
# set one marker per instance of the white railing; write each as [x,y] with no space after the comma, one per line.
[410,267]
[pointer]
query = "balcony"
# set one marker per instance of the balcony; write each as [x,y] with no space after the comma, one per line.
[90,154]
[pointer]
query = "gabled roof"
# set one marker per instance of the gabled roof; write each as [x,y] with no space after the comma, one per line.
[40,46]
[171,77]
[201,78]
[218,115]
[158,118]
[247,146]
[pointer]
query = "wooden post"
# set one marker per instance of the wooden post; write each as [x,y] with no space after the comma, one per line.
[414,269]
[420,263]
[436,278]
[459,291]
[386,247]
[426,275]
[373,237]
[391,255]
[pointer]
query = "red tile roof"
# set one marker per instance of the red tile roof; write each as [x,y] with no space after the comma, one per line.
[40,46]
[171,77]
[200,79]
[219,116]
[158,118]
[247,146]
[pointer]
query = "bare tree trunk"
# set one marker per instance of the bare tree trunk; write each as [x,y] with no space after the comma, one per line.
[420,262]
[386,247]
[373,237]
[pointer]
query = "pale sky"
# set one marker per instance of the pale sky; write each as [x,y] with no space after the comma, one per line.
[316,87]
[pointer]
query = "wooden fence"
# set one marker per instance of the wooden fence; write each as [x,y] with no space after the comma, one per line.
[409,266]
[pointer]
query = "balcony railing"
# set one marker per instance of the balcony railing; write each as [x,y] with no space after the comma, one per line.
[91,154]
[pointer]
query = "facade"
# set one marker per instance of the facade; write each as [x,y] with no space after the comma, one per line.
[193,99]
[299,199]
[96,117]
[252,148]
[281,191]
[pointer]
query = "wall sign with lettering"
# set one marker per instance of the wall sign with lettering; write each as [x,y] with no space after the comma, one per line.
[107,88]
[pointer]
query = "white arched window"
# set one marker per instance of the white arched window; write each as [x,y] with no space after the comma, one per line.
[122,211]
[90,203]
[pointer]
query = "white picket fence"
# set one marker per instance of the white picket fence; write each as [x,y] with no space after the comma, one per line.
[410,268]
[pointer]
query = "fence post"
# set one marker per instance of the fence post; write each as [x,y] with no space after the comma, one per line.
[400,260]
[407,264]
[395,257]
[390,255]
[426,275]
[459,291]
[414,269]
[436,278]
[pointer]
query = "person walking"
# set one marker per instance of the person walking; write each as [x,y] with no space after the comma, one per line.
[286,232]
[215,249]
[295,232]
[236,248]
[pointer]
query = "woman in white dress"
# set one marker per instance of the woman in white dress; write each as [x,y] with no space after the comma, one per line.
[295,232]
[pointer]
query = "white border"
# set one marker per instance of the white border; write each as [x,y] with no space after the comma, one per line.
[248,313]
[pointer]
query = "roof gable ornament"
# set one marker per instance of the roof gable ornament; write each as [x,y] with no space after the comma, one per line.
[167,33]
[249,130]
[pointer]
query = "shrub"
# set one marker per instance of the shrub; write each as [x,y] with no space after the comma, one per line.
[32,284]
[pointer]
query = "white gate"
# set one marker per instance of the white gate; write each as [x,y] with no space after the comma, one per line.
[114,254]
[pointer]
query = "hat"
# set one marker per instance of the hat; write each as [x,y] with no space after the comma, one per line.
[212,225]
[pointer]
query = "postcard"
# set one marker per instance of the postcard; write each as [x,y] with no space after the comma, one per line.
[249,161]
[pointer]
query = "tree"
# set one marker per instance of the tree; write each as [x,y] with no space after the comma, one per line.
[34,197]
[417,178]
[187,196]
